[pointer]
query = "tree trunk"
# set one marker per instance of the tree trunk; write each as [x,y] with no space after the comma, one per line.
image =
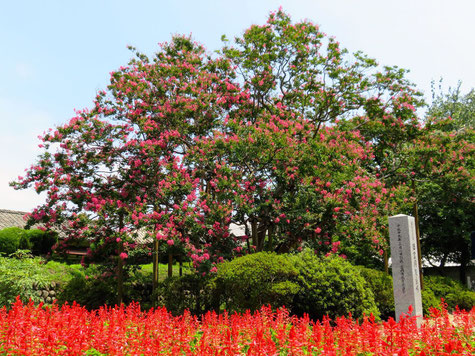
[170,264]
[464,261]
[120,266]
[254,232]
[270,241]
[386,263]
[261,236]
[181,265]
[155,268]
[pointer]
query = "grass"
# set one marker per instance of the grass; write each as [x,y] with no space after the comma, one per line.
[147,269]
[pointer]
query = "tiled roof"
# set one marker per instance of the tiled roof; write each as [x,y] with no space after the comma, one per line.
[142,237]
[9,218]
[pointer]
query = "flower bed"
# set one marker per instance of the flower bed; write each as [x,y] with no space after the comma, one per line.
[72,330]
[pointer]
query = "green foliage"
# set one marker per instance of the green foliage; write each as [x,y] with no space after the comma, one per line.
[453,292]
[11,239]
[304,283]
[435,288]
[429,300]
[91,293]
[258,279]
[95,286]
[194,292]
[459,107]
[27,277]
[333,287]
[40,241]
[464,299]
[93,352]
[445,196]
[382,286]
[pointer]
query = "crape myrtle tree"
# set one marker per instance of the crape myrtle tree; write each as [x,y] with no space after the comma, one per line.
[266,134]
[308,176]
[120,164]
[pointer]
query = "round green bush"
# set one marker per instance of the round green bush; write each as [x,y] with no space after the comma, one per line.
[258,279]
[429,300]
[91,292]
[40,241]
[331,286]
[381,284]
[452,291]
[464,299]
[11,239]
[192,292]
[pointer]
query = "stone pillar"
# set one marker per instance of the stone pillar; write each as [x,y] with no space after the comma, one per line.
[405,266]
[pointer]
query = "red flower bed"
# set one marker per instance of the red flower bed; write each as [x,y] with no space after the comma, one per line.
[72,330]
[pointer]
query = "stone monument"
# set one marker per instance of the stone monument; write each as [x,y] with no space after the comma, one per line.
[405,266]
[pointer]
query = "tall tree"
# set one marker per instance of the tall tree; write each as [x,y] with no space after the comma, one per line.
[283,132]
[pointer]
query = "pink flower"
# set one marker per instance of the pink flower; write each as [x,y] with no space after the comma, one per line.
[123,255]
[170,242]
[318,230]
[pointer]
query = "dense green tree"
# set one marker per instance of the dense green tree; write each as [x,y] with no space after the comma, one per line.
[446,195]
[459,107]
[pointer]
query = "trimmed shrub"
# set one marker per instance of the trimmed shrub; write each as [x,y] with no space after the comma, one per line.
[96,286]
[429,300]
[333,287]
[381,284]
[464,299]
[11,239]
[192,292]
[252,281]
[90,291]
[453,292]
[40,241]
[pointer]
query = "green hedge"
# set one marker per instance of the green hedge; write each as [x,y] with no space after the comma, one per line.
[435,288]
[302,283]
[41,242]
[192,292]
[331,286]
[252,281]
[95,287]
[452,291]
[12,239]
[38,241]
[381,285]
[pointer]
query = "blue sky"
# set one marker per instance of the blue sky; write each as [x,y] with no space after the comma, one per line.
[56,54]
